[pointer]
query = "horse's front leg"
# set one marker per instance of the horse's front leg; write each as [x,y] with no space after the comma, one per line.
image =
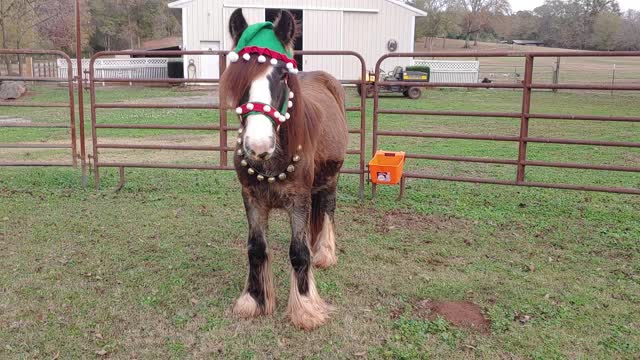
[305,309]
[258,297]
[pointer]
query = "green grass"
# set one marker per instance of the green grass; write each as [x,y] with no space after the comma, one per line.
[152,271]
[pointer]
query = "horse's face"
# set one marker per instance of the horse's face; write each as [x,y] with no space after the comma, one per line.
[267,85]
[260,134]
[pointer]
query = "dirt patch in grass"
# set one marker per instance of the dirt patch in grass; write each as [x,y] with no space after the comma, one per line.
[211,98]
[463,314]
[399,219]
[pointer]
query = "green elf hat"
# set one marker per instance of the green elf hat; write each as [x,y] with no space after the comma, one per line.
[260,39]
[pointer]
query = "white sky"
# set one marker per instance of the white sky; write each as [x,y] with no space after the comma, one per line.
[532,4]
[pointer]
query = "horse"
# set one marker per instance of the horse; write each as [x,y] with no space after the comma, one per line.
[288,160]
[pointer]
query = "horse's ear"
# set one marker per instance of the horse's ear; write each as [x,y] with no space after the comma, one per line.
[286,28]
[237,25]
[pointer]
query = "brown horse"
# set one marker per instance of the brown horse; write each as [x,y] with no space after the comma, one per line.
[293,165]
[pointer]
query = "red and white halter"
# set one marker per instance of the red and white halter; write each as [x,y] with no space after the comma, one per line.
[277,117]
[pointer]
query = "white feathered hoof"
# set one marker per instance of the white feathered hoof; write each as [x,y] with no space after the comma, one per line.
[308,311]
[246,307]
[324,250]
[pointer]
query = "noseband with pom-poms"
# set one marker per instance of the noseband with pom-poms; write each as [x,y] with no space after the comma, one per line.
[277,117]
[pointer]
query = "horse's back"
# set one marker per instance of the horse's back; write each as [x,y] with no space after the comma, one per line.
[328,97]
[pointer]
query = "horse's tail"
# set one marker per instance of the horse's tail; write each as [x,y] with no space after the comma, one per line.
[317,217]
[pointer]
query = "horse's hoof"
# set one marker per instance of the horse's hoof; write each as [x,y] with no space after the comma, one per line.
[323,258]
[247,307]
[308,313]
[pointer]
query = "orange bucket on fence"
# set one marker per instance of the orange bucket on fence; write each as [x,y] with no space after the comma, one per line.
[386,167]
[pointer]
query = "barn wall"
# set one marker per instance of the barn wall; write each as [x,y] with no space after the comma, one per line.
[202,24]
[361,31]
[368,35]
[323,31]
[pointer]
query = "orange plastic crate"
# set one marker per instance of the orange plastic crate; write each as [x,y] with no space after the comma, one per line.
[386,167]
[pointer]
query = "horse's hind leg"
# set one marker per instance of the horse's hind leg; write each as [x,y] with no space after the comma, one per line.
[305,309]
[323,241]
[258,297]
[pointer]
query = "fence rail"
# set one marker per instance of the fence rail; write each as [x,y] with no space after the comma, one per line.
[523,139]
[71,125]
[222,126]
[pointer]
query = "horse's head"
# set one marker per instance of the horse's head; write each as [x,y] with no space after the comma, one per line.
[259,82]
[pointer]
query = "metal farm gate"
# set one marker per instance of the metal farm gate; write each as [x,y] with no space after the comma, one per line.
[222,126]
[70,123]
[525,116]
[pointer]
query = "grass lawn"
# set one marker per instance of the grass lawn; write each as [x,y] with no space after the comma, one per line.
[152,271]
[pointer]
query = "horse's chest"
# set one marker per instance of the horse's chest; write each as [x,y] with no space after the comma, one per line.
[274,196]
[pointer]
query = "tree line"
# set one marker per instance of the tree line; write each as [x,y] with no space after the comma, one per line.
[106,24]
[571,24]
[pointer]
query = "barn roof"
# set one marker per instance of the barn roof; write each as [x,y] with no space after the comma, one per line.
[418,12]
[408,7]
[528,42]
[164,43]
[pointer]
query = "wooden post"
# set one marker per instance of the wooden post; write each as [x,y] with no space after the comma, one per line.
[29,66]
[524,123]
[613,78]
[20,65]
[556,74]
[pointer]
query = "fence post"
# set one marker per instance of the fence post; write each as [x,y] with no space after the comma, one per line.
[556,74]
[29,66]
[223,116]
[613,78]
[81,124]
[524,122]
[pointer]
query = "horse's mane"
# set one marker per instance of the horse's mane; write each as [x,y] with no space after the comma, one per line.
[300,129]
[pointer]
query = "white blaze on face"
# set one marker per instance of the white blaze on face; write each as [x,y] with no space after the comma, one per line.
[259,135]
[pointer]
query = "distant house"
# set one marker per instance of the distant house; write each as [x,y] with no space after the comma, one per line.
[369,27]
[168,43]
[528,42]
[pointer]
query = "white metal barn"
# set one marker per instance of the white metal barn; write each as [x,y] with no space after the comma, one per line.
[369,27]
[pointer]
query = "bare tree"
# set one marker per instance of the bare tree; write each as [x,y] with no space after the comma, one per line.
[439,21]
[56,24]
[605,29]
[628,38]
[478,15]
[127,23]
[16,29]
[28,23]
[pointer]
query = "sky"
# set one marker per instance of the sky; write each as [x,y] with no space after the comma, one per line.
[517,5]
